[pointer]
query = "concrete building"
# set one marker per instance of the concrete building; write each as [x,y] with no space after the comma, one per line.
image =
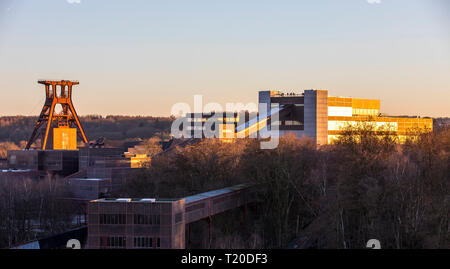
[88,173]
[321,117]
[312,113]
[91,156]
[303,114]
[136,223]
[102,172]
[218,123]
[157,223]
[55,162]
[88,188]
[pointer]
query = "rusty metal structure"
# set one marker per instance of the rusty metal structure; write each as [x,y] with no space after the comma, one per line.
[65,122]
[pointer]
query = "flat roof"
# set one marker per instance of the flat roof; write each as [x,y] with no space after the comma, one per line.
[134,200]
[16,171]
[210,194]
[44,150]
[89,179]
[188,199]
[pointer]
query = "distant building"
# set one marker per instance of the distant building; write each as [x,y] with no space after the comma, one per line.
[102,172]
[312,113]
[88,173]
[88,188]
[216,122]
[55,162]
[323,118]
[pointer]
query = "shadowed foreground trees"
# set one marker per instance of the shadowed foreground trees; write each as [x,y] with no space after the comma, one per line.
[338,196]
[30,210]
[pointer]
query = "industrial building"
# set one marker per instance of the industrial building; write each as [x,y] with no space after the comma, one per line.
[323,118]
[157,223]
[90,172]
[312,114]
[56,162]
[219,122]
[57,128]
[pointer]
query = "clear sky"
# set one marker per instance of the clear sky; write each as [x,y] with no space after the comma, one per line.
[139,57]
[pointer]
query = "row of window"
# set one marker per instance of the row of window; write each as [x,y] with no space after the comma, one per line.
[363,111]
[113,242]
[292,122]
[380,126]
[121,242]
[147,242]
[147,219]
[121,219]
[112,219]
[287,122]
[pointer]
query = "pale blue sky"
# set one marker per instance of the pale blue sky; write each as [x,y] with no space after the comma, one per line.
[140,57]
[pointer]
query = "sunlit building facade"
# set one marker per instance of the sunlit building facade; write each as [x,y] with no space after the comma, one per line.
[213,124]
[312,113]
[323,118]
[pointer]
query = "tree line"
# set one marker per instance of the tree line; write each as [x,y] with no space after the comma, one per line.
[16,130]
[31,210]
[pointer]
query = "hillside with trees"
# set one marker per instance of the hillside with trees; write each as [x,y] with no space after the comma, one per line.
[15,131]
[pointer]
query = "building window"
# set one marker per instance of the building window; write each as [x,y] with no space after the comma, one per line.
[147,242]
[112,219]
[113,242]
[147,219]
[143,242]
[293,122]
[363,111]
[342,125]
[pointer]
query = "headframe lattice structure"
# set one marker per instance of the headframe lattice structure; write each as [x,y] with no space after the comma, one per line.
[57,92]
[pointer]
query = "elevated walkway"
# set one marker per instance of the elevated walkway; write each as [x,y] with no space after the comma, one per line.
[208,204]
[253,127]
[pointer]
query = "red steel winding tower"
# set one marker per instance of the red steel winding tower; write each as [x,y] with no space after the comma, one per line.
[60,126]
